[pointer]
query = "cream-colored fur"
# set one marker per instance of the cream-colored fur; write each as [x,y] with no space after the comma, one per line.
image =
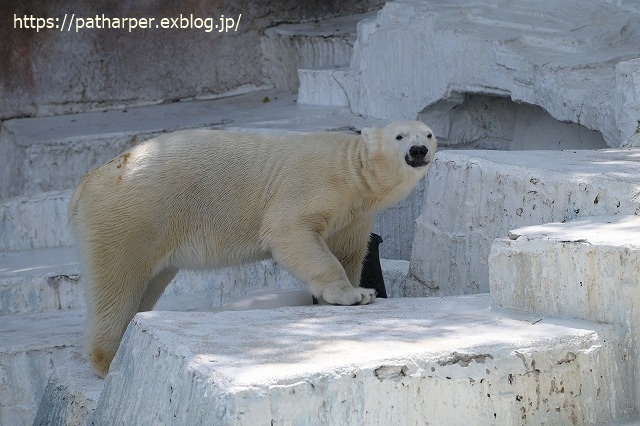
[201,199]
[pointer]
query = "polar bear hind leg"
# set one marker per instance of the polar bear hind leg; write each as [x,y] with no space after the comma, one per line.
[116,292]
[155,288]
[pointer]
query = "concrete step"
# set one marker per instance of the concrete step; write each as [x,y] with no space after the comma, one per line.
[474,197]
[42,317]
[578,61]
[398,361]
[328,85]
[325,43]
[585,268]
[30,348]
[41,221]
[39,280]
[35,221]
[49,280]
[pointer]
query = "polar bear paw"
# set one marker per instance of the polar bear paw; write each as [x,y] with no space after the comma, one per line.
[350,296]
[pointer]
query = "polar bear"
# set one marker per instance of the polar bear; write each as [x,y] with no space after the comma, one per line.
[202,199]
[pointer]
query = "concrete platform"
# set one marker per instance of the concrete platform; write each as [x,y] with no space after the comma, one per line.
[585,268]
[398,361]
[49,280]
[40,280]
[42,315]
[41,221]
[474,197]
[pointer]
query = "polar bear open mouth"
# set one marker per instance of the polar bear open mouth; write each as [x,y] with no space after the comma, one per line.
[416,162]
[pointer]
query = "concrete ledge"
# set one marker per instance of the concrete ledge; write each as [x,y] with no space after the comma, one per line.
[71,394]
[398,361]
[474,197]
[35,222]
[29,349]
[585,268]
[324,43]
[39,280]
[49,280]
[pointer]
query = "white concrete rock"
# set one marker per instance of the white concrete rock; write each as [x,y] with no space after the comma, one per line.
[326,43]
[30,347]
[575,59]
[322,87]
[473,197]
[49,280]
[71,394]
[73,388]
[37,221]
[586,268]
[41,280]
[398,361]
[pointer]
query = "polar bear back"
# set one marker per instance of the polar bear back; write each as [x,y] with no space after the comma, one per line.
[204,186]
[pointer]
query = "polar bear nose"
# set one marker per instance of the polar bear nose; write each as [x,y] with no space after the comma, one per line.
[418,151]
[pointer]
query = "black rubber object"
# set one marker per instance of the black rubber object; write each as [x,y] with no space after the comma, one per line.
[371,270]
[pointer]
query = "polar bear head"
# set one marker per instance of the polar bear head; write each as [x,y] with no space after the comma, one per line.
[400,154]
[408,143]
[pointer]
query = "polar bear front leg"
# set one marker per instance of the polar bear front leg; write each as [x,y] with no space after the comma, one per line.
[350,245]
[305,254]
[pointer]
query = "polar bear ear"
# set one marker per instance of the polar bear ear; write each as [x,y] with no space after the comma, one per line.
[372,137]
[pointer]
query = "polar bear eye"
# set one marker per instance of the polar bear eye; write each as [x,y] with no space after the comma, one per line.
[429,136]
[398,137]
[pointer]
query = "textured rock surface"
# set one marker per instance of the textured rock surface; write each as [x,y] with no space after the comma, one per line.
[42,312]
[473,197]
[357,365]
[289,47]
[322,87]
[49,280]
[36,221]
[71,394]
[29,349]
[585,268]
[577,60]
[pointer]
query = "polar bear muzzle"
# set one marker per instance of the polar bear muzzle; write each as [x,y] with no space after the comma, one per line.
[417,156]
